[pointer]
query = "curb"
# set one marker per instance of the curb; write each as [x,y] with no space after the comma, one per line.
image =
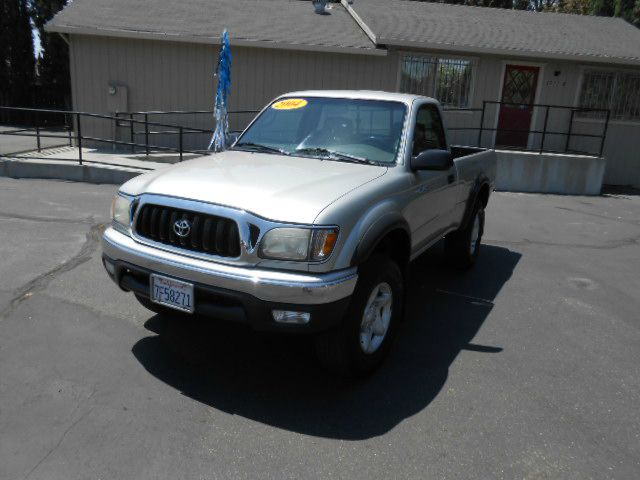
[13,168]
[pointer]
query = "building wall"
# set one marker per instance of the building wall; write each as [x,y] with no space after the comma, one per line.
[160,75]
[559,83]
[622,142]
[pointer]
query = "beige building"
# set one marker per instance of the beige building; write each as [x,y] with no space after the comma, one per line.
[143,55]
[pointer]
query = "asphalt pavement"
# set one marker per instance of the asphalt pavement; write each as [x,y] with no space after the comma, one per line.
[526,367]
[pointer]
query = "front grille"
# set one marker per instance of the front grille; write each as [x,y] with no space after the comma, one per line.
[207,233]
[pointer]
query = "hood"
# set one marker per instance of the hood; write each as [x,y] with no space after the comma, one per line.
[276,187]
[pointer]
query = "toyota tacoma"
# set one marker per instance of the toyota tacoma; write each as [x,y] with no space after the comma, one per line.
[307,223]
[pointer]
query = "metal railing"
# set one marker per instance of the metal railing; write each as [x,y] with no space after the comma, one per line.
[545,132]
[143,117]
[69,126]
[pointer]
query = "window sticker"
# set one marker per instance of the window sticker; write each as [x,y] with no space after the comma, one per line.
[290,104]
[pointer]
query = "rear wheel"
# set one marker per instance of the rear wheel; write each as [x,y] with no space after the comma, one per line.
[363,339]
[463,246]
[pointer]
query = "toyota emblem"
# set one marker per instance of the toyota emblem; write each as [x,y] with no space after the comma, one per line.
[182,227]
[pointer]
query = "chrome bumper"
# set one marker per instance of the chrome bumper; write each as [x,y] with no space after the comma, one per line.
[268,285]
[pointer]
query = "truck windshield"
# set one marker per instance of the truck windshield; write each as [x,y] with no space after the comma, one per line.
[334,128]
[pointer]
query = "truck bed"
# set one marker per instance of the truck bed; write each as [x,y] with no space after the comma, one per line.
[461,151]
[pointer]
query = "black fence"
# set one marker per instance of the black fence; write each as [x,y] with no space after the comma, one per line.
[557,121]
[198,123]
[140,132]
[24,130]
[55,128]
[553,125]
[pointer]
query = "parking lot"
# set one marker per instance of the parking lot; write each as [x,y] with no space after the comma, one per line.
[526,367]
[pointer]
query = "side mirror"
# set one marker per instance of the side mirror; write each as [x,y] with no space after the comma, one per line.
[432,160]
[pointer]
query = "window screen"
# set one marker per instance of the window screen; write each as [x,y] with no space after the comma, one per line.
[617,91]
[446,79]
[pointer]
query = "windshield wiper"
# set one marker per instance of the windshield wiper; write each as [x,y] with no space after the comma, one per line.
[262,148]
[333,155]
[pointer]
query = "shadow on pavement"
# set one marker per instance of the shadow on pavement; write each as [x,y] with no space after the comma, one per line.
[276,379]
[628,190]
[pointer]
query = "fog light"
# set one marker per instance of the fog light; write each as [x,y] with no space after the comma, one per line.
[110,267]
[284,316]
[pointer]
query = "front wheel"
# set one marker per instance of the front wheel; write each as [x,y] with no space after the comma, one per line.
[362,341]
[463,246]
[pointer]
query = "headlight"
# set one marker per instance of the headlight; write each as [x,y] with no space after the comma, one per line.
[121,211]
[299,244]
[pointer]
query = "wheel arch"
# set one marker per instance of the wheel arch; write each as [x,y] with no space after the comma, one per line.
[392,238]
[480,192]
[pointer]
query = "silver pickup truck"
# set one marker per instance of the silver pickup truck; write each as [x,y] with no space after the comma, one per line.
[307,223]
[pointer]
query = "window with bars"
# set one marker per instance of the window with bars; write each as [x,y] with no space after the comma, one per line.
[618,91]
[446,79]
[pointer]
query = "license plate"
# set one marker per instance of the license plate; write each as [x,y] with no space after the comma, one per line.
[172,293]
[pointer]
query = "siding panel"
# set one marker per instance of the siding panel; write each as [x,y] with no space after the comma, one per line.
[178,76]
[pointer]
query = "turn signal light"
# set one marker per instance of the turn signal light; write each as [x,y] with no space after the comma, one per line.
[324,241]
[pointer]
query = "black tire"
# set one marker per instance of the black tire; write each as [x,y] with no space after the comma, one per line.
[340,349]
[459,246]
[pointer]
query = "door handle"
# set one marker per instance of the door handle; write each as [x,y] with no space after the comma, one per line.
[451,178]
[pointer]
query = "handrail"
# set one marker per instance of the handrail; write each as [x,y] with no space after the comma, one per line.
[90,115]
[545,132]
[76,117]
[181,112]
[167,129]
[189,130]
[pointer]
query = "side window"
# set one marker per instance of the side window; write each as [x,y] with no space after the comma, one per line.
[428,133]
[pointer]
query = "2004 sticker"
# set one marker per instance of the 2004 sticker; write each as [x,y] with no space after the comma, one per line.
[290,104]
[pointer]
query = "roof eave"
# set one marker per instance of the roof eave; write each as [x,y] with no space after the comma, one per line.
[390,42]
[72,30]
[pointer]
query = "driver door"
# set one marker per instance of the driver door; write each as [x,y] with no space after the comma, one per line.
[434,190]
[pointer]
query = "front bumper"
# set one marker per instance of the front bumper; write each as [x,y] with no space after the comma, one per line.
[250,294]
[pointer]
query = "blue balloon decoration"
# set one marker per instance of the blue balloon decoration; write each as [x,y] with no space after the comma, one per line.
[223,72]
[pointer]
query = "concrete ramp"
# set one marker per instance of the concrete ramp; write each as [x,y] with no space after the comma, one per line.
[570,174]
[59,170]
[99,166]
